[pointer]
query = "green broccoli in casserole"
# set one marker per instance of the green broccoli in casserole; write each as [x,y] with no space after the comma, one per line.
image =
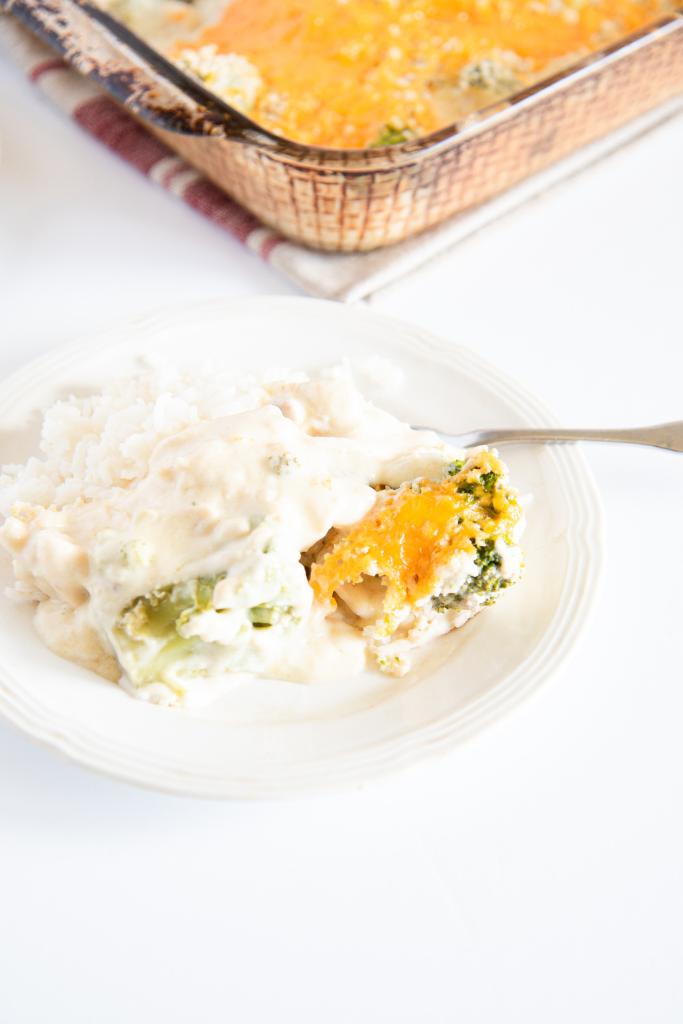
[154,629]
[487,581]
[392,135]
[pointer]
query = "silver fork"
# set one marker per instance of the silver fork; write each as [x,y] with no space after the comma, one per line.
[663,435]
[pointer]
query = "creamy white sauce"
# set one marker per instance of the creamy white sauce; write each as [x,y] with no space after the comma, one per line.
[240,497]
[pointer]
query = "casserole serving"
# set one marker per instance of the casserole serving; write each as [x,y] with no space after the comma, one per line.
[189,528]
[274,738]
[358,199]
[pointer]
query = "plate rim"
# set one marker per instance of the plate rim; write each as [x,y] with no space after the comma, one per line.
[352,769]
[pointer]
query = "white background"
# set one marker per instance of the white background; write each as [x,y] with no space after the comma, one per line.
[533,876]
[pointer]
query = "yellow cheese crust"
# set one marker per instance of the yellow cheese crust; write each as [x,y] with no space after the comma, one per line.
[354,73]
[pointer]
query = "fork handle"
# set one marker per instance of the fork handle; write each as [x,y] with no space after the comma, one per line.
[663,435]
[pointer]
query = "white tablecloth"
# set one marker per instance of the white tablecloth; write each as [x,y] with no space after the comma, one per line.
[533,876]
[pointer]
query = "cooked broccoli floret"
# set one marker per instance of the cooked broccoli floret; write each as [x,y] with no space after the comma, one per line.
[151,628]
[469,487]
[159,616]
[489,76]
[482,488]
[392,135]
[446,602]
[488,581]
[159,613]
[263,615]
[487,555]
[454,467]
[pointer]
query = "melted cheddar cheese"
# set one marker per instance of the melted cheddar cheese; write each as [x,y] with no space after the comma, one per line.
[355,73]
[412,534]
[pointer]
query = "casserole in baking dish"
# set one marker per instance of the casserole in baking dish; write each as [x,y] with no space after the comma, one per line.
[359,73]
[349,199]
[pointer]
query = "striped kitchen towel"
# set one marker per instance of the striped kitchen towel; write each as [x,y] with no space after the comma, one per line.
[343,276]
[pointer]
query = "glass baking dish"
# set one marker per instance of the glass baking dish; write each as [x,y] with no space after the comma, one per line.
[360,199]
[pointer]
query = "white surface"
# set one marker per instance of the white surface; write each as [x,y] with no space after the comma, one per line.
[533,876]
[268,738]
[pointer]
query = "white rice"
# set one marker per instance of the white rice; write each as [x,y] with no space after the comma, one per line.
[91,445]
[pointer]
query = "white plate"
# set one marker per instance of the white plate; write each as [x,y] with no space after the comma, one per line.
[273,739]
